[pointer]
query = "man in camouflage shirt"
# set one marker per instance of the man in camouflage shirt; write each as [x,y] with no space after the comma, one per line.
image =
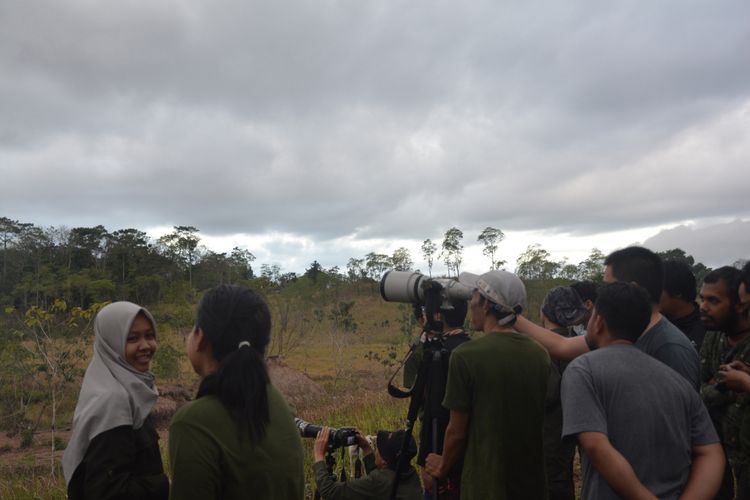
[727,340]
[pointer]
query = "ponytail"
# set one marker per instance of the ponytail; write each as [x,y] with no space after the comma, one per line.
[237,324]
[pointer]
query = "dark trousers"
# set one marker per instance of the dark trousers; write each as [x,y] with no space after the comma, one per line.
[741,482]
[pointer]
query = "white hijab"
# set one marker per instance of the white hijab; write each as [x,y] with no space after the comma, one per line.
[113,392]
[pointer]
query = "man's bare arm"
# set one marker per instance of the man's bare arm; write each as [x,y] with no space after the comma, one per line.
[559,347]
[453,445]
[613,467]
[706,472]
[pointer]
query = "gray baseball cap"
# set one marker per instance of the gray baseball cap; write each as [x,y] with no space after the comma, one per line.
[501,287]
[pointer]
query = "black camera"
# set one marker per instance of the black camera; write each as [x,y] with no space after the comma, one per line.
[345,436]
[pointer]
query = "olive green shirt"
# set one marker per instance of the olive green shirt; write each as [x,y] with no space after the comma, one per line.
[500,380]
[211,460]
[375,485]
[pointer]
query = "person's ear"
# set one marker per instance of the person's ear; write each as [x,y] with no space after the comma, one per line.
[201,341]
[599,324]
[742,308]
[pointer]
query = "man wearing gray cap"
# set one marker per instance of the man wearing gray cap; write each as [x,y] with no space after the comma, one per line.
[495,393]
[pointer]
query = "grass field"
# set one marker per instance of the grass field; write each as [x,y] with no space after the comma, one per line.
[354,386]
[335,359]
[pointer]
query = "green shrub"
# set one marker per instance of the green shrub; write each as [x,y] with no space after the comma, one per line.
[27,438]
[57,444]
[167,362]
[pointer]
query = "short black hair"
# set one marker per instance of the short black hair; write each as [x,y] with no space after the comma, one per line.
[586,290]
[455,317]
[679,280]
[639,265]
[626,308]
[730,276]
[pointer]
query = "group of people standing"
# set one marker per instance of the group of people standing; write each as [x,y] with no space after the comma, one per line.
[654,410]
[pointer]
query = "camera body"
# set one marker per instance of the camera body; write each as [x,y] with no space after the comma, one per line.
[412,287]
[344,436]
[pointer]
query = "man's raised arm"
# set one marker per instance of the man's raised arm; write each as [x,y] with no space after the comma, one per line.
[559,347]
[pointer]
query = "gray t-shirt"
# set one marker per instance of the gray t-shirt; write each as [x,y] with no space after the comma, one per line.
[668,344]
[649,413]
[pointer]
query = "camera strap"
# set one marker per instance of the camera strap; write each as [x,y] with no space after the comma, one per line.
[394,390]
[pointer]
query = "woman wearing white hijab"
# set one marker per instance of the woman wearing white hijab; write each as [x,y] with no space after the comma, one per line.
[114,449]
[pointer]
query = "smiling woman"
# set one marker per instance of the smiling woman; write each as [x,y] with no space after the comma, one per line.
[141,343]
[114,448]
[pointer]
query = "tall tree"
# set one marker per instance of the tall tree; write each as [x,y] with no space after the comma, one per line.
[90,246]
[314,271]
[453,249]
[376,264]
[9,230]
[182,245]
[126,247]
[490,237]
[428,251]
[401,259]
[535,264]
[355,269]
[242,260]
[592,268]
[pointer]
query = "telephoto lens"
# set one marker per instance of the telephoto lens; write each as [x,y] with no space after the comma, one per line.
[345,436]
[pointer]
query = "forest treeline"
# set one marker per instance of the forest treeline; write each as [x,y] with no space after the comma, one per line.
[88,265]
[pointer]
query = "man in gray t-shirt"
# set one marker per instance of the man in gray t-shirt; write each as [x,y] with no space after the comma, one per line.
[643,430]
[660,339]
[668,344]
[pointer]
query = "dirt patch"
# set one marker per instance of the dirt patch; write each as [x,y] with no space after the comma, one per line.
[299,390]
[171,398]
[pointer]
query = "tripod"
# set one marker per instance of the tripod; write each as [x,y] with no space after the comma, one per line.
[429,375]
[331,464]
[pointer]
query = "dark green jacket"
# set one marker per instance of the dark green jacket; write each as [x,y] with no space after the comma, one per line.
[121,463]
[375,485]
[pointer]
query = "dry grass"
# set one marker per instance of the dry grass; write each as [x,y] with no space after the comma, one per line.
[354,386]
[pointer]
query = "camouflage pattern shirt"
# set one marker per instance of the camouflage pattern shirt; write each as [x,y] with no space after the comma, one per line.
[727,409]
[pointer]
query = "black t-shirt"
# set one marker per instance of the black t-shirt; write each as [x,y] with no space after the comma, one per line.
[121,463]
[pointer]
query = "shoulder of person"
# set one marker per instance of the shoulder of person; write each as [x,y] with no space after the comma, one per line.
[198,410]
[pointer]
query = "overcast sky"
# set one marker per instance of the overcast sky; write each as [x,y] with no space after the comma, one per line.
[327,129]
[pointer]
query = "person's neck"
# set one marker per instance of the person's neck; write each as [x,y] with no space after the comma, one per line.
[610,341]
[493,327]
[738,332]
[208,367]
[682,310]
[655,317]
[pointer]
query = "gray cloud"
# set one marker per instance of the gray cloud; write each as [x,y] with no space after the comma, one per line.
[373,120]
[715,245]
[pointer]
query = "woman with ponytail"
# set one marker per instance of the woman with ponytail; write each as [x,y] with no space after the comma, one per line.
[238,438]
